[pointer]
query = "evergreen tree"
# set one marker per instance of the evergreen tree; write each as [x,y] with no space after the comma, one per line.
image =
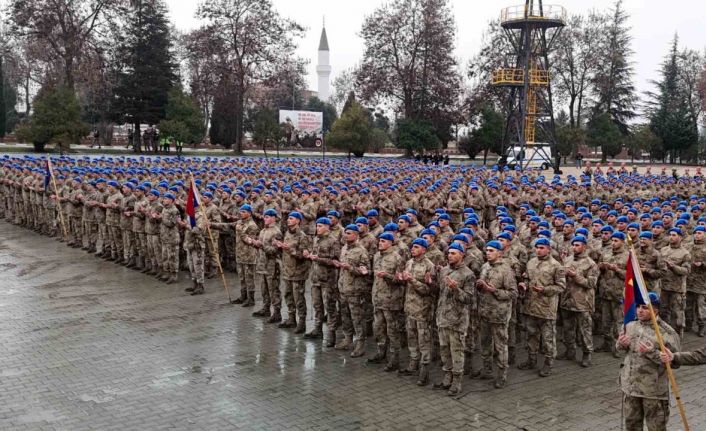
[614,88]
[147,69]
[184,119]
[352,131]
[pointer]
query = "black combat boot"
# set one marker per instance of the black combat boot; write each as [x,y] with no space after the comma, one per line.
[380,355]
[455,388]
[199,290]
[446,382]
[192,288]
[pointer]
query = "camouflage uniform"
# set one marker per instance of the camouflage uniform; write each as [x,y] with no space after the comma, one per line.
[195,247]
[418,307]
[169,239]
[154,248]
[138,228]
[697,357]
[324,280]
[696,288]
[246,258]
[267,270]
[651,260]
[672,302]
[388,302]
[643,377]
[100,213]
[212,252]
[112,221]
[495,311]
[541,307]
[295,270]
[354,286]
[612,287]
[578,303]
[453,315]
[128,236]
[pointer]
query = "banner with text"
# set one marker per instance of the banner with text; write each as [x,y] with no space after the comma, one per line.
[303,122]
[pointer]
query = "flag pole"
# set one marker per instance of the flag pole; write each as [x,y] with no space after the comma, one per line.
[660,340]
[210,236]
[58,199]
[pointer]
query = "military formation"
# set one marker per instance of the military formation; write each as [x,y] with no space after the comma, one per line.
[460,265]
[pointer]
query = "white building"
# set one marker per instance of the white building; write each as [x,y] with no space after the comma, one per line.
[323,68]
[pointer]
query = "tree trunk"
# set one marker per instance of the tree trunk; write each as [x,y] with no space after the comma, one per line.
[239,106]
[69,72]
[485,156]
[136,138]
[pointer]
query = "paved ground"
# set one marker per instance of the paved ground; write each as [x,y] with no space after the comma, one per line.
[86,344]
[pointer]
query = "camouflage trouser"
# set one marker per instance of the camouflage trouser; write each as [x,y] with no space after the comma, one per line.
[639,411]
[212,256]
[353,316]
[227,247]
[102,237]
[154,251]
[331,303]
[128,244]
[195,259]
[246,276]
[115,241]
[268,285]
[170,257]
[89,229]
[294,297]
[612,315]
[418,340]
[494,343]
[140,244]
[317,303]
[386,328]
[452,349]
[672,307]
[472,332]
[76,233]
[577,322]
[695,309]
[544,331]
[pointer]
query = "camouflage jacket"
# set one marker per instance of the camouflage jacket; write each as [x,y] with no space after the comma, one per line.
[127,204]
[99,212]
[245,253]
[612,283]
[351,282]
[138,218]
[674,279]
[168,228]
[112,216]
[548,273]
[294,266]
[267,253]
[152,224]
[419,296]
[697,357]
[643,374]
[195,238]
[474,259]
[651,260]
[496,307]
[388,292]
[327,248]
[455,305]
[696,280]
[580,293]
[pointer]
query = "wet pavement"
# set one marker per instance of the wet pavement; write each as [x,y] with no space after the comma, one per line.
[87,344]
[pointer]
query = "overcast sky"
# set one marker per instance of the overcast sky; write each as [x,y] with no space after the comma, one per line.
[653,25]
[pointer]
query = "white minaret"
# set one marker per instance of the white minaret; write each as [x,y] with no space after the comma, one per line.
[323,68]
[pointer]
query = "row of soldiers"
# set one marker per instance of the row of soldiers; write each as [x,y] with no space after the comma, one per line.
[492,260]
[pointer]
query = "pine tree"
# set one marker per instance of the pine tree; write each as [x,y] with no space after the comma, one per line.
[614,88]
[147,68]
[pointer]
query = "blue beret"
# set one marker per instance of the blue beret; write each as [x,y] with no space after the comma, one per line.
[699,229]
[324,220]
[658,223]
[333,213]
[677,231]
[618,235]
[129,186]
[607,229]
[387,236]
[504,235]
[405,218]
[646,234]
[510,228]
[579,238]
[420,242]
[296,214]
[545,232]
[634,225]
[623,219]
[169,196]
[270,212]
[361,220]
[428,232]
[535,219]
[459,237]
[112,183]
[246,207]
[155,192]
[542,241]
[207,195]
[444,217]
[411,211]
[494,244]
[353,228]
[457,246]
[372,213]
[654,297]
[582,231]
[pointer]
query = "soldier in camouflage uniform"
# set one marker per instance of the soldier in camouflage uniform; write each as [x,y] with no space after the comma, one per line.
[195,247]
[388,302]
[267,267]
[324,278]
[456,303]
[498,289]
[651,262]
[421,286]
[612,287]
[127,206]
[154,249]
[643,376]
[214,218]
[169,238]
[544,284]
[295,270]
[677,359]
[138,227]
[246,231]
[696,283]
[354,286]
[578,301]
[97,202]
[673,296]
[112,220]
